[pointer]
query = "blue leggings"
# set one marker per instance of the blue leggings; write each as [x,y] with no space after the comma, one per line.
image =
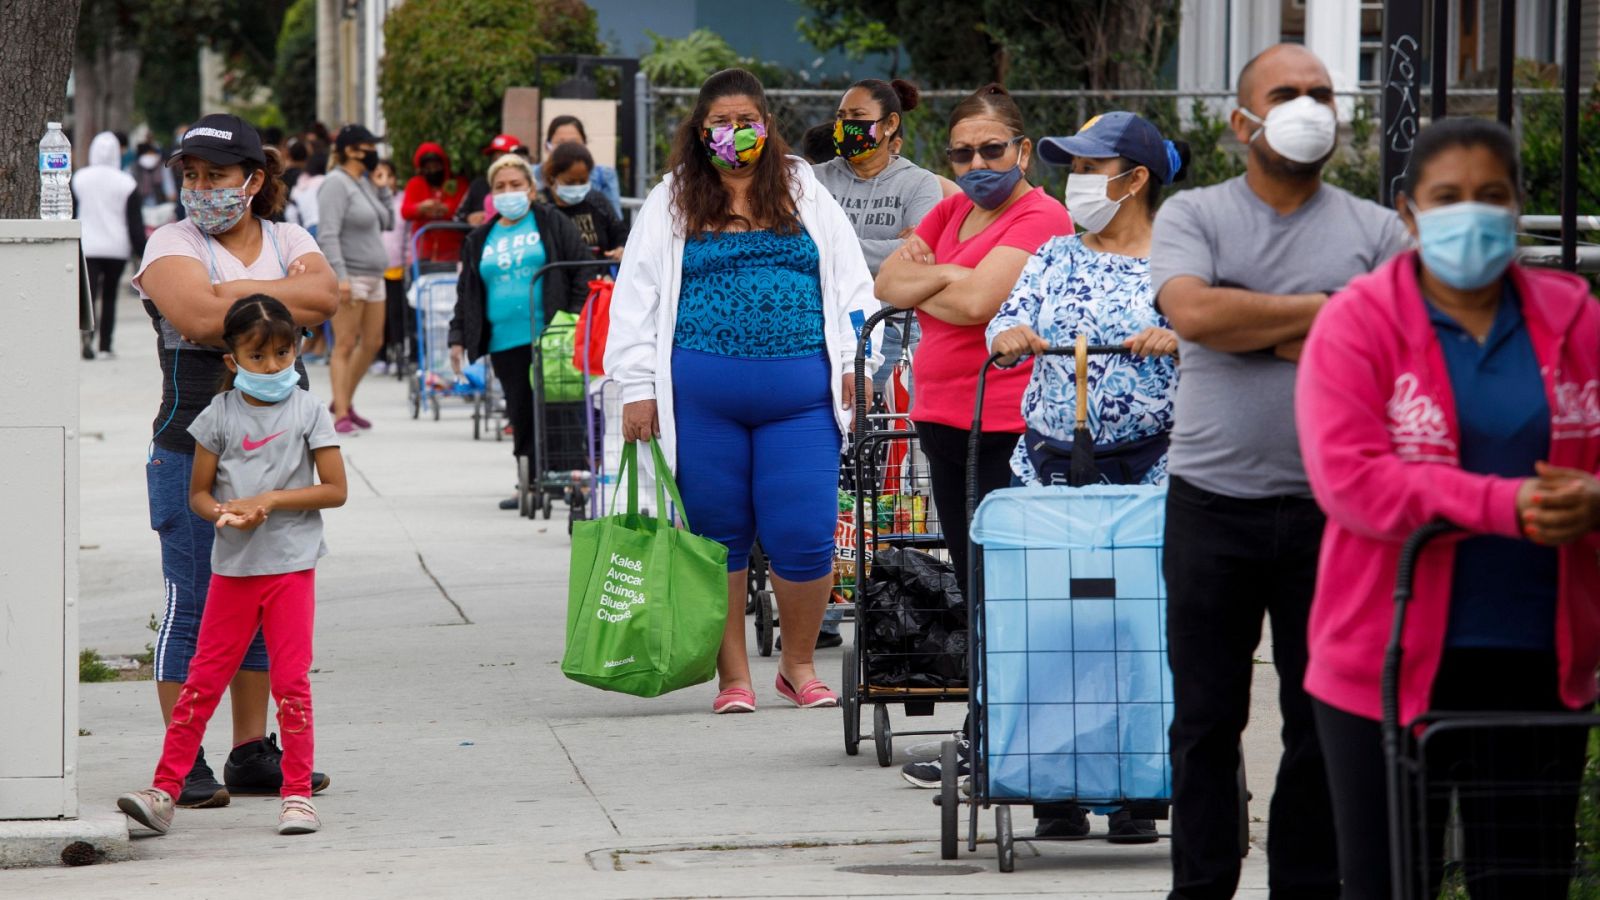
[758,452]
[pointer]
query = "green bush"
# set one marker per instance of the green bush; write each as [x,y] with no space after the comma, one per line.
[91,669]
[448,63]
[294,79]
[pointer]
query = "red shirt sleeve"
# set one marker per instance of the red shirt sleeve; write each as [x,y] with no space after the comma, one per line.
[1043,218]
[933,224]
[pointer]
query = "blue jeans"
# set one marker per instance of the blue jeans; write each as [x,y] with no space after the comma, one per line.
[758,452]
[185,566]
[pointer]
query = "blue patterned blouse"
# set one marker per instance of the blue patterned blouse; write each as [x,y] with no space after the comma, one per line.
[751,294]
[1066,289]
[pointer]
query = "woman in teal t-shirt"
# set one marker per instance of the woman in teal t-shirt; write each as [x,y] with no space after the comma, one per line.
[499,298]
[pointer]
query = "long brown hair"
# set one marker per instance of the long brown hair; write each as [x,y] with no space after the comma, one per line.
[702,202]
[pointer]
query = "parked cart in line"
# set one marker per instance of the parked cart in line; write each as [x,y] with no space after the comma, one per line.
[1072,696]
[432,294]
[1454,798]
[909,647]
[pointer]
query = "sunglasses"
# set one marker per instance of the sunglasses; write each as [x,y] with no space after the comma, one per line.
[963,155]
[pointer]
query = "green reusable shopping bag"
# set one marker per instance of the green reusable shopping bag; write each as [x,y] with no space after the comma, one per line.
[646,602]
[563,383]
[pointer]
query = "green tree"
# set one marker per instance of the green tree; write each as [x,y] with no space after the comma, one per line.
[448,63]
[687,60]
[294,79]
[964,43]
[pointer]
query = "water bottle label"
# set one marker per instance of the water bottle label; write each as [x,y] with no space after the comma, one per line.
[55,161]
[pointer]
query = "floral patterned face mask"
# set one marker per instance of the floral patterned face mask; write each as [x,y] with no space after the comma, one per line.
[735,146]
[217,210]
[855,138]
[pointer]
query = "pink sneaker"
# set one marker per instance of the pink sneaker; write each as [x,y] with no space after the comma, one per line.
[345,426]
[734,700]
[812,695]
[360,421]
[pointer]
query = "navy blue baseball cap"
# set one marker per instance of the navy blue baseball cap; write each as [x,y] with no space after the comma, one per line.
[1116,134]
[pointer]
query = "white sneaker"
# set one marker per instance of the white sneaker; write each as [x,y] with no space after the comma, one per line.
[151,808]
[298,816]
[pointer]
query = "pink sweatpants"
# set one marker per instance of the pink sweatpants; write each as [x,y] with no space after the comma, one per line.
[283,607]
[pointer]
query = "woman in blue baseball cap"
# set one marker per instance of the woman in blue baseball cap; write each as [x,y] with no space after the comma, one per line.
[1097,283]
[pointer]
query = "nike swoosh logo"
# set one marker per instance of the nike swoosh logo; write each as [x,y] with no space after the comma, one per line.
[250,445]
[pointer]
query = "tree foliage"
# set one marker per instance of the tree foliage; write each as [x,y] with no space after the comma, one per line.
[294,79]
[448,63]
[965,43]
[687,60]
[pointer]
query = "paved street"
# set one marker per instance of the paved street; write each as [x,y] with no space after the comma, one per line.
[463,764]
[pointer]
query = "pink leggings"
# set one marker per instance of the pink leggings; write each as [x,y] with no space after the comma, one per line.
[283,607]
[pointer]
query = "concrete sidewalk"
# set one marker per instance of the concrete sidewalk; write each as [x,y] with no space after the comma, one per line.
[463,763]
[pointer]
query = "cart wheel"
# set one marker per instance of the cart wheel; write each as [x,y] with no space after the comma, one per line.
[416,400]
[764,623]
[850,702]
[949,800]
[1244,809]
[434,402]
[477,421]
[1005,847]
[548,505]
[882,735]
[524,494]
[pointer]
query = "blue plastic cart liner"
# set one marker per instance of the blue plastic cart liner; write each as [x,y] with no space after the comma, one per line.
[1079,696]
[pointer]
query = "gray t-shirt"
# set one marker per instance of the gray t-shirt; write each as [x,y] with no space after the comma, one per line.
[1235,431]
[260,449]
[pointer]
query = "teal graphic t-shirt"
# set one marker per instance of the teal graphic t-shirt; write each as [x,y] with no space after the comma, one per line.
[511,256]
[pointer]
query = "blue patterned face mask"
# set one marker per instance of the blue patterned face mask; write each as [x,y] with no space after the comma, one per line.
[217,210]
[273,388]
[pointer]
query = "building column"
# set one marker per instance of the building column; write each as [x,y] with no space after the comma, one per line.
[327,62]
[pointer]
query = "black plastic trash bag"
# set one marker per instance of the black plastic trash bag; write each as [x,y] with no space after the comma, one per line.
[913,623]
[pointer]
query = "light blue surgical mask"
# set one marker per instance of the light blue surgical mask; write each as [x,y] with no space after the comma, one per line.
[511,205]
[267,388]
[1467,245]
[572,193]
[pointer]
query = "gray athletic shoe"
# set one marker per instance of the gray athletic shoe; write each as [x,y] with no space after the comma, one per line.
[151,807]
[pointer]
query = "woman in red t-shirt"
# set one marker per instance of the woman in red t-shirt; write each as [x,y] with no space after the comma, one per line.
[955,272]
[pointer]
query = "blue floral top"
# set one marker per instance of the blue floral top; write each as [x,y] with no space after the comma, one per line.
[751,294]
[1066,289]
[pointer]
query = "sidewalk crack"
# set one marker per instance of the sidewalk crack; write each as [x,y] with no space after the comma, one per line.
[350,464]
[581,780]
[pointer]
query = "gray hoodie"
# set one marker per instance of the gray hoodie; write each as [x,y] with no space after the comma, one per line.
[881,208]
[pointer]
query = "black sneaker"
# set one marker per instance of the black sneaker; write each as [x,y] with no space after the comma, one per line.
[257,768]
[510,503]
[829,639]
[1125,829]
[1072,826]
[930,774]
[200,788]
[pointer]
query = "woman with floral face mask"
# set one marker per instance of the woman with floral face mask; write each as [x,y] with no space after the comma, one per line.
[502,303]
[1454,384]
[732,339]
[192,272]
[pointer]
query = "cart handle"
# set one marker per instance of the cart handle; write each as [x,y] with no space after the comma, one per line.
[863,341]
[416,241]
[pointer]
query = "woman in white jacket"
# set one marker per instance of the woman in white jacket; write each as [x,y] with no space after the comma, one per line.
[733,334]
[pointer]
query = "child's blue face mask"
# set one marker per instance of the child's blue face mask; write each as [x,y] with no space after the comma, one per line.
[273,388]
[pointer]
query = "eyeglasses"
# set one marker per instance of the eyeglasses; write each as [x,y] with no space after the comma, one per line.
[963,155]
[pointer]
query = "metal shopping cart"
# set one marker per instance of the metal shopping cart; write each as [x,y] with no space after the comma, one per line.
[1454,792]
[568,418]
[908,652]
[433,296]
[1072,696]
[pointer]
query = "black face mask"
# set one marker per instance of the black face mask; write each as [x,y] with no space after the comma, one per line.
[369,160]
[434,177]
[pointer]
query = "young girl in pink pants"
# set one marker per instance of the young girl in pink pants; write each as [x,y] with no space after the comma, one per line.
[255,449]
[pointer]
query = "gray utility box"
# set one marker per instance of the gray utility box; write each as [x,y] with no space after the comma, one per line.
[39,353]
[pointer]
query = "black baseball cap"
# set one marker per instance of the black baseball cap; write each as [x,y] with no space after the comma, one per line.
[1116,134]
[352,135]
[222,139]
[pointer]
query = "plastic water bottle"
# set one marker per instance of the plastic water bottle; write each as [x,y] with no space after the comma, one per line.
[55,174]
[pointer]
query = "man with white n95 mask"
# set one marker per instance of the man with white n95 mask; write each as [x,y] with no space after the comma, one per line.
[1240,270]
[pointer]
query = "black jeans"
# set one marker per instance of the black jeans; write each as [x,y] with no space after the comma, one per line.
[1228,562]
[1518,820]
[105,278]
[511,369]
[946,449]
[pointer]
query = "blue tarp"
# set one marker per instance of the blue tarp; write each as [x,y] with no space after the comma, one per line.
[1079,696]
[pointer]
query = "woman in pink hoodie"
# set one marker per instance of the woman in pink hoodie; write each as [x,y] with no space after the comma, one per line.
[1454,384]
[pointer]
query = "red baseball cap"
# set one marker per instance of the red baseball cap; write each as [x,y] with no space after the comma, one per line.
[502,143]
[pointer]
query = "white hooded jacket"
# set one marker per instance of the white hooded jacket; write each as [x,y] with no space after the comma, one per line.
[644,303]
[102,191]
